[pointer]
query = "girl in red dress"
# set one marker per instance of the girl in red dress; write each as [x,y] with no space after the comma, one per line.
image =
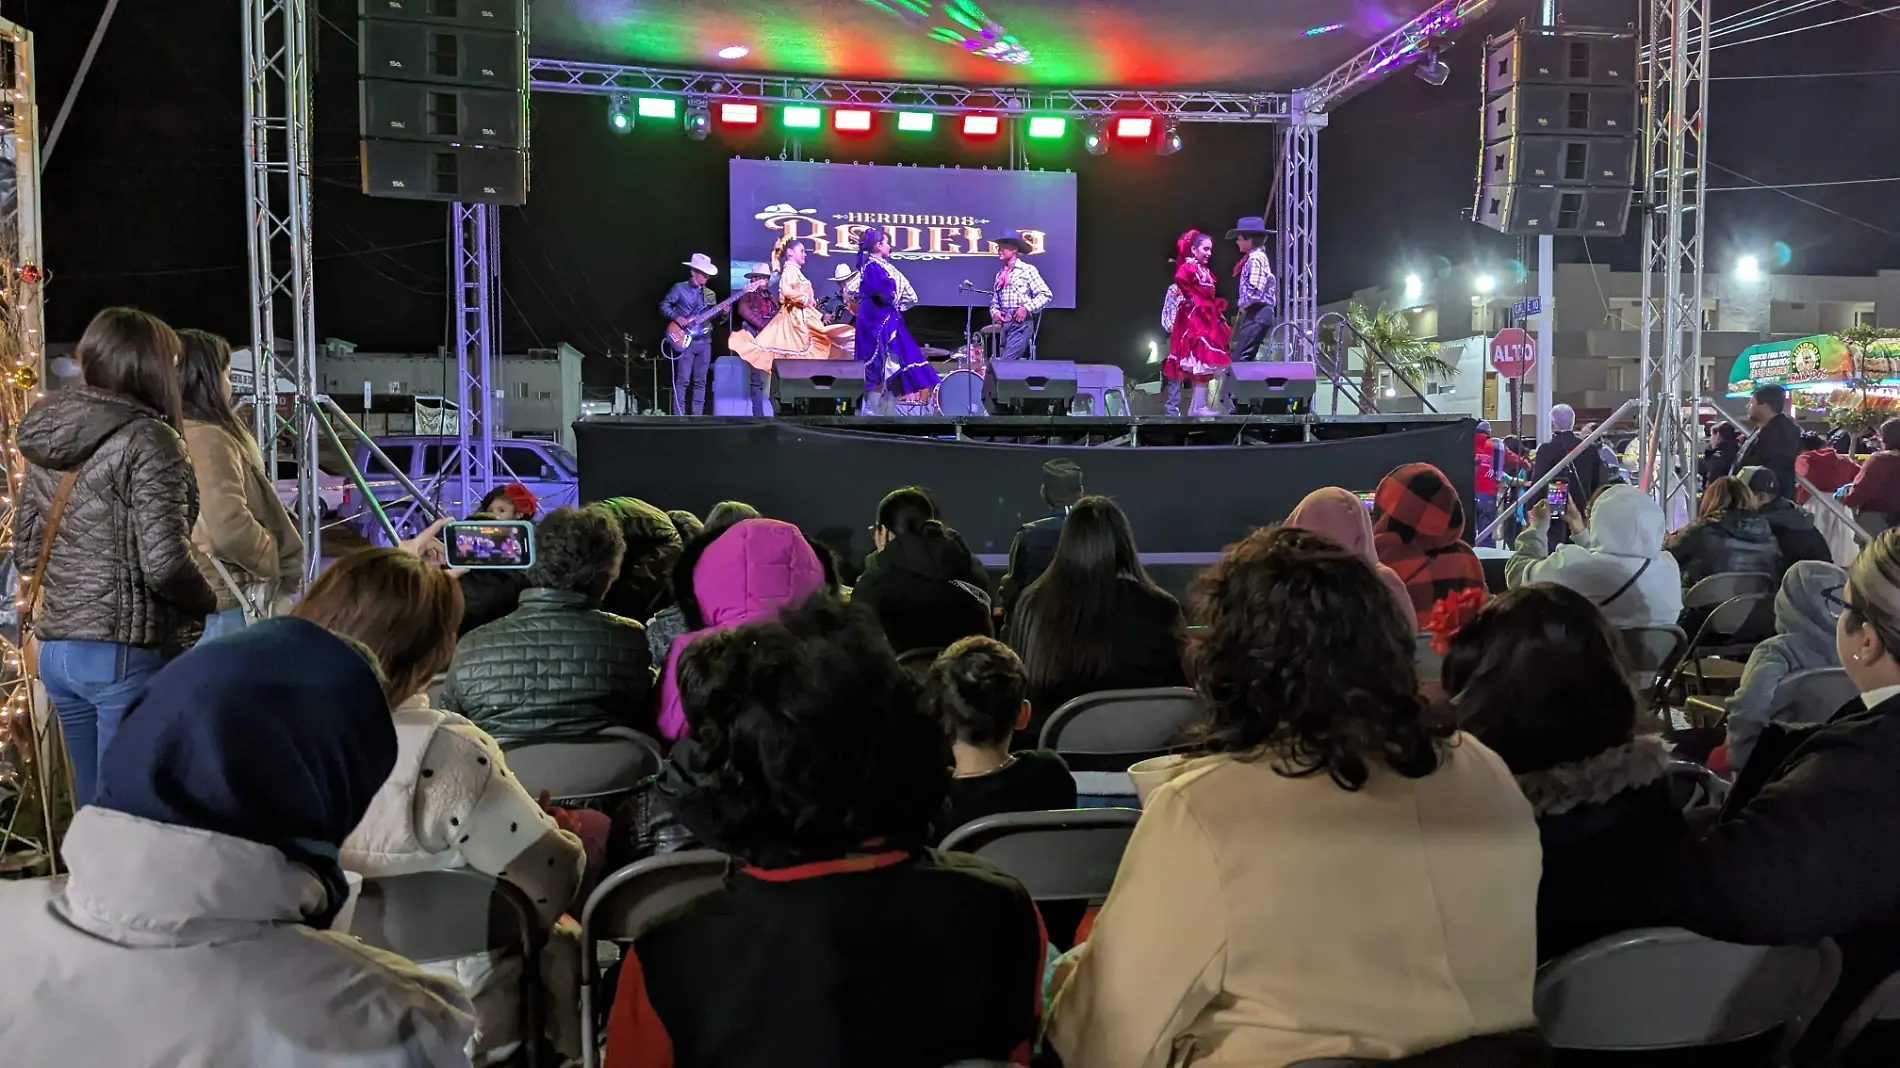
[1197,344]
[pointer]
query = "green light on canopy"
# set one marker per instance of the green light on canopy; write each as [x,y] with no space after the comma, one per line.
[801,117]
[658,107]
[1047,127]
[916,121]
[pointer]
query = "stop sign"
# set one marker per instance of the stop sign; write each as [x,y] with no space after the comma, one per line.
[1512,352]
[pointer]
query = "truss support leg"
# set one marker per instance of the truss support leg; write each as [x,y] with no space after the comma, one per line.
[475,237]
[1299,230]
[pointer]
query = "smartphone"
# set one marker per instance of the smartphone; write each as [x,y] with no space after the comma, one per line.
[1366,499]
[1557,496]
[495,544]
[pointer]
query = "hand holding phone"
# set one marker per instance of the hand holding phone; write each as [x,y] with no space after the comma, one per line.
[1557,496]
[491,544]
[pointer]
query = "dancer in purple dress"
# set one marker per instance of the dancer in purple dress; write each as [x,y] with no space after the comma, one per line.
[893,364]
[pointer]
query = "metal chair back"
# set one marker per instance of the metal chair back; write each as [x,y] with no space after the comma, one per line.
[1729,585]
[1071,855]
[585,771]
[1110,730]
[1811,695]
[1692,786]
[624,905]
[1649,650]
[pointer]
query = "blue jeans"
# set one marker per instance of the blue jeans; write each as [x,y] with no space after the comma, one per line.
[219,624]
[91,685]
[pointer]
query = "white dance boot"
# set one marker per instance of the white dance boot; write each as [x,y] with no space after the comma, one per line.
[1198,405]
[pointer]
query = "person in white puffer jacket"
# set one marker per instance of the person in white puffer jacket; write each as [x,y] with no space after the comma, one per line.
[451,802]
[1618,563]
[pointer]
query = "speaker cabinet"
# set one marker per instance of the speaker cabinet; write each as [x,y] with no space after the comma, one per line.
[502,15]
[1529,209]
[1608,162]
[413,111]
[420,52]
[411,170]
[1533,57]
[1586,111]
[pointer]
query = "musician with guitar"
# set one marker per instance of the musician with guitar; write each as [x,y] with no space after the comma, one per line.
[688,340]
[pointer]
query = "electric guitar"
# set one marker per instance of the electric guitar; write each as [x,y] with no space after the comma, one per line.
[680,338]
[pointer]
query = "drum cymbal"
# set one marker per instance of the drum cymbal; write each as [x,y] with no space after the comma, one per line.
[936,353]
[993,328]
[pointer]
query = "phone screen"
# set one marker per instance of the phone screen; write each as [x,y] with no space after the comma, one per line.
[497,544]
[1366,499]
[1557,497]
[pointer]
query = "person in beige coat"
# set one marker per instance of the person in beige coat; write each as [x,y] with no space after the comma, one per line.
[1338,877]
[242,523]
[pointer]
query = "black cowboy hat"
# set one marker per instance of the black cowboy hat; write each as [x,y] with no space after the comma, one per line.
[1251,224]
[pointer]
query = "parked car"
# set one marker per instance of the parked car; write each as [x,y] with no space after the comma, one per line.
[546,467]
[336,494]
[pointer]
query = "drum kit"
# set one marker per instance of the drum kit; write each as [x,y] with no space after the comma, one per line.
[960,388]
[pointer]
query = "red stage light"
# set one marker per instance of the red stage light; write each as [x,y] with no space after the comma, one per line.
[851,120]
[739,114]
[981,125]
[1138,128]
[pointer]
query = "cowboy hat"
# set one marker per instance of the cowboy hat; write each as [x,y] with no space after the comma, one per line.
[1013,237]
[759,270]
[842,272]
[702,263]
[1248,225]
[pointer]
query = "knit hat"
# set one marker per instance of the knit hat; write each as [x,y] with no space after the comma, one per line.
[522,498]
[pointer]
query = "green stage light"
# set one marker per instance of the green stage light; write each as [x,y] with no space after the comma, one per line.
[916,121]
[658,107]
[1048,127]
[620,113]
[801,117]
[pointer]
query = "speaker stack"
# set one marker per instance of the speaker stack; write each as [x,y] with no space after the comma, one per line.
[444,99]
[1560,132]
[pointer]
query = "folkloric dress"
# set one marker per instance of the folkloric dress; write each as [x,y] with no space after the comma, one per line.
[892,360]
[797,332]
[1197,343]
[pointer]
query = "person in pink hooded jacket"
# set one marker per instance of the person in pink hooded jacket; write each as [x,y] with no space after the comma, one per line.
[748,571]
[1340,515]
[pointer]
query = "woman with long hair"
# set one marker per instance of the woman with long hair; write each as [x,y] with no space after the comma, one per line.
[1727,535]
[1198,339]
[1095,620]
[251,551]
[797,332]
[893,364]
[104,525]
[1338,874]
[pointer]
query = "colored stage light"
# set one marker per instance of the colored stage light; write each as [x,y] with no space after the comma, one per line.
[981,125]
[803,117]
[739,114]
[1048,127]
[1096,140]
[736,52]
[851,120]
[698,120]
[1317,30]
[658,107]
[916,122]
[1170,141]
[1135,128]
[620,113]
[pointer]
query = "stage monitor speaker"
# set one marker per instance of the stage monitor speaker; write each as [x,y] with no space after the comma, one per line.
[1528,56]
[413,111]
[1585,111]
[809,386]
[1540,209]
[442,55]
[1607,162]
[413,170]
[1269,388]
[1029,386]
[504,15]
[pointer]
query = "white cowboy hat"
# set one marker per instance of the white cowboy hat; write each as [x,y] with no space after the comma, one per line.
[702,263]
[842,272]
[759,270]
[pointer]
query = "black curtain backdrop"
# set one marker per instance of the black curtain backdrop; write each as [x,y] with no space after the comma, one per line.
[1179,499]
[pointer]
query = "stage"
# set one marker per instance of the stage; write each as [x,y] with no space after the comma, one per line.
[1190,486]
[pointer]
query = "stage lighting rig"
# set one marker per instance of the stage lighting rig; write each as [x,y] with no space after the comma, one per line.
[620,112]
[698,120]
[1170,140]
[1432,68]
[1096,139]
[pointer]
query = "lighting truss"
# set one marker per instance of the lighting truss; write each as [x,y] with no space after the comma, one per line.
[1387,54]
[606,79]
[1299,231]
[475,248]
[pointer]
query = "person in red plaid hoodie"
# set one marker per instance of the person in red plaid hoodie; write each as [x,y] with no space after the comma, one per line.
[1418,527]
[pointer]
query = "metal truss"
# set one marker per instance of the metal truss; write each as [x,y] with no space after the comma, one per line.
[277,35]
[23,235]
[1299,232]
[1675,124]
[1398,46]
[605,79]
[475,251]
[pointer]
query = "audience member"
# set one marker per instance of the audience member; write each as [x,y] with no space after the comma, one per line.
[978,690]
[1777,438]
[1496,463]
[923,583]
[1035,544]
[839,939]
[1340,876]
[509,502]
[1094,621]
[558,666]
[1618,563]
[1340,515]
[1821,465]
[686,523]
[104,525]
[828,563]
[489,593]
[1418,527]
[193,928]
[1794,531]
[451,801]
[727,514]
[1727,535]
[1718,460]
[669,623]
[1806,612]
[249,549]
[1582,476]
[1875,492]
[737,575]
[1538,678]
[642,587]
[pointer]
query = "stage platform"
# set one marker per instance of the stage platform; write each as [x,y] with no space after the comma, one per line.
[1190,486]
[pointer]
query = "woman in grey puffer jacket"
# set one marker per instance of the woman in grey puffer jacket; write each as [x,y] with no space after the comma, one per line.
[121,594]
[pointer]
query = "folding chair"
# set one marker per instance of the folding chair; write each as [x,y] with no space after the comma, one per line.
[1711,639]
[590,771]
[1648,652]
[1718,589]
[1512,1049]
[1880,1006]
[1665,988]
[434,916]
[1811,695]
[1692,786]
[624,905]
[1071,855]
[1110,730]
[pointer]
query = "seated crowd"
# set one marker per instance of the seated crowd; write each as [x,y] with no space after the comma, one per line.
[1342,859]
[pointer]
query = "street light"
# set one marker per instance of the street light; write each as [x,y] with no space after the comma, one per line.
[1748,269]
[1414,287]
[1484,283]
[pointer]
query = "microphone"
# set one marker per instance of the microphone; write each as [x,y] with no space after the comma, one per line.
[966,285]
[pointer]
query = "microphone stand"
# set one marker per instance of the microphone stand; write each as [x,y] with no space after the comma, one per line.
[969,312]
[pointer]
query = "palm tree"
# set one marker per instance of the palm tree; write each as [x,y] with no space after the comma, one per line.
[1390,331]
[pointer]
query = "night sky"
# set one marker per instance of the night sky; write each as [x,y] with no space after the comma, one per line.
[145,202]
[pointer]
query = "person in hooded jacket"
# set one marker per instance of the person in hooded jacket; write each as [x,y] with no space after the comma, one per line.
[1875,491]
[1806,610]
[670,622]
[923,583]
[121,591]
[1418,527]
[1342,516]
[1617,563]
[1537,676]
[1718,460]
[1795,532]
[198,922]
[1727,535]
[1821,465]
[653,544]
